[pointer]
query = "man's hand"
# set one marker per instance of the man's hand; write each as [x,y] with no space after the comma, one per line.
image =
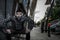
[27,30]
[8,31]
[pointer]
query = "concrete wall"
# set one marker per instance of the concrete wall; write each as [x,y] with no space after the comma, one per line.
[9,7]
[2,8]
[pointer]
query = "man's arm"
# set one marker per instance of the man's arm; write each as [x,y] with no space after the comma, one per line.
[7,20]
[11,19]
[31,23]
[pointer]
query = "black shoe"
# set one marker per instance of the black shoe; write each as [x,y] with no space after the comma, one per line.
[49,35]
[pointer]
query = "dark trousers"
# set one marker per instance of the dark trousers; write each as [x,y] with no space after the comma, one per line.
[49,35]
[42,29]
[8,36]
[28,36]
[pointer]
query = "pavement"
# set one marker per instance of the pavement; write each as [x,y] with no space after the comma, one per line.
[37,35]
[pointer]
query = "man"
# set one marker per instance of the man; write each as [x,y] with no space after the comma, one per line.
[21,23]
[18,23]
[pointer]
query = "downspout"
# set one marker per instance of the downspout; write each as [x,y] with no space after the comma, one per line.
[32,9]
[5,8]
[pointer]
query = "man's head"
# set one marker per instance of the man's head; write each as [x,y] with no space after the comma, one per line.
[19,14]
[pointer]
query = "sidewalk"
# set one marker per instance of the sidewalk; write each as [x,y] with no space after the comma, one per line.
[37,35]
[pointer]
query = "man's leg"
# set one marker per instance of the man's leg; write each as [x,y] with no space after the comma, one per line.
[8,36]
[28,36]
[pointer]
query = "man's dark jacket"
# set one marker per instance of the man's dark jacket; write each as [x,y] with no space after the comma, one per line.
[19,24]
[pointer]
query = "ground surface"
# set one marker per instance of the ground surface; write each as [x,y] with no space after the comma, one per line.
[37,35]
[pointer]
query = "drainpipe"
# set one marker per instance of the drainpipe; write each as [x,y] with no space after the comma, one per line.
[5,8]
[32,9]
